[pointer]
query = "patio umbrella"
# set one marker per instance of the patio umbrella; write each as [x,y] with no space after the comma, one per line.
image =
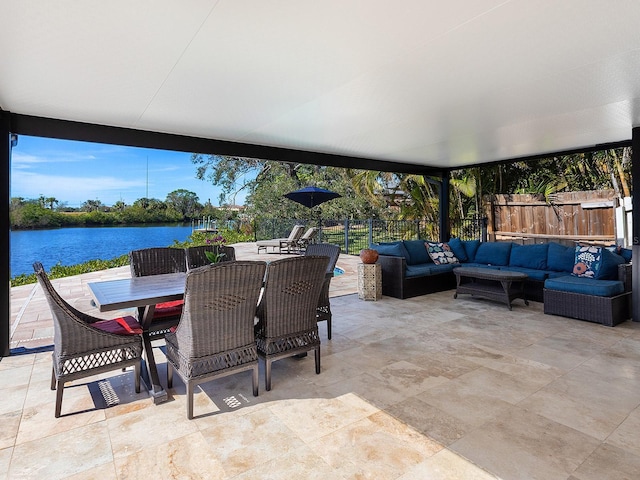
[311,196]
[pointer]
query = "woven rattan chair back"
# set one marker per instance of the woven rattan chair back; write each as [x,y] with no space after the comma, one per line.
[156,261]
[79,349]
[196,256]
[323,311]
[215,334]
[287,323]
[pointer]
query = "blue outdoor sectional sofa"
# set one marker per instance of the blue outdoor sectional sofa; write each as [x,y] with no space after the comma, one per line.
[601,294]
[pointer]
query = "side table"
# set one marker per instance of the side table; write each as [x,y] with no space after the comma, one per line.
[369,281]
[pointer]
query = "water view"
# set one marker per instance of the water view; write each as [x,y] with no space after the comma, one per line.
[70,246]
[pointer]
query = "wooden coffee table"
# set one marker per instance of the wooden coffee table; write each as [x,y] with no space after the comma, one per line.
[500,285]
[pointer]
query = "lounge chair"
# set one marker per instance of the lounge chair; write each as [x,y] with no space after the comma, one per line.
[306,239]
[288,243]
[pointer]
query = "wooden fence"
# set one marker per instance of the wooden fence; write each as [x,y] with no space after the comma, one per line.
[588,217]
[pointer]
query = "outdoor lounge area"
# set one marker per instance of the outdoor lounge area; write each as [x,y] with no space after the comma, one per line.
[427,387]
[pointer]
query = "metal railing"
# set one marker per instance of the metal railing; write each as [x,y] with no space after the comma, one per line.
[354,235]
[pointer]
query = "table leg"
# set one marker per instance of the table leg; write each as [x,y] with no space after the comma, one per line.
[506,286]
[150,372]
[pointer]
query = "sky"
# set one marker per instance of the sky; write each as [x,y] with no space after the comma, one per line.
[73,172]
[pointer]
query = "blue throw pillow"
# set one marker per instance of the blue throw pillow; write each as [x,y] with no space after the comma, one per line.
[417,252]
[609,265]
[588,260]
[626,254]
[395,249]
[560,258]
[623,252]
[457,247]
[529,256]
[493,253]
[470,248]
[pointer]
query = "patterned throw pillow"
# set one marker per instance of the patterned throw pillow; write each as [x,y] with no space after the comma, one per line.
[587,261]
[440,253]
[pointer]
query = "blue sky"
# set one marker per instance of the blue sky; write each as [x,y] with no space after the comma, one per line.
[73,172]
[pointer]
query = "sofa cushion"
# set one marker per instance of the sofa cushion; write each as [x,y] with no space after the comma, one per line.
[457,247]
[584,285]
[440,253]
[533,274]
[493,253]
[479,265]
[394,249]
[428,269]
[609,265]
[529,256]
[418,270]
[560,258]
[417,252]
[587,261]
[470,248]
[554,274]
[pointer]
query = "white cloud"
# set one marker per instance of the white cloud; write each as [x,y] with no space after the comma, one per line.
[75,190]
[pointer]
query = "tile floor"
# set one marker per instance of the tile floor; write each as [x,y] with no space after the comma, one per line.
[424,388]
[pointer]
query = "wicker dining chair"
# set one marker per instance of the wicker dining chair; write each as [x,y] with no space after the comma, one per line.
[196,256]
[324,305]
[286,314]
[158,261]
[215,335]
[84,345]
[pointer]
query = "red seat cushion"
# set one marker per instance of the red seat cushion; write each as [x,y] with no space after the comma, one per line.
[168,309]
[120,326]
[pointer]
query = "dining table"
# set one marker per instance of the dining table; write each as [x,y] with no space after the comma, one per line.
[143,293]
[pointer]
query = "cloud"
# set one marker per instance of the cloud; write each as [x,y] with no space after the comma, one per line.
[25,161]
[75,190]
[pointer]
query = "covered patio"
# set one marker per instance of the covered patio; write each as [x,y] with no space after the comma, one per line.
[429,387]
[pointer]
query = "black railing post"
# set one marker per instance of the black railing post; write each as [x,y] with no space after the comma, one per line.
[484,223]
[346,236]
[5,283]
[370,233]
[444,208]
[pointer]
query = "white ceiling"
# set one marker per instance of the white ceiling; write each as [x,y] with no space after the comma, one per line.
[432,82]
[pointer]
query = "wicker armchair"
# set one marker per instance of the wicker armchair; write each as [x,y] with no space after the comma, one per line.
[215,335]
[158,261]
[84,345]
[196,256]
[324,306]
[286,314]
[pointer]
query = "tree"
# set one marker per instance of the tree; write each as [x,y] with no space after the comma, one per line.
[184,202]
[267,181]
[119,206]
[91,206]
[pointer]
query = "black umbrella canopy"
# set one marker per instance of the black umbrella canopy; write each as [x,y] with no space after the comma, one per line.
[312,196]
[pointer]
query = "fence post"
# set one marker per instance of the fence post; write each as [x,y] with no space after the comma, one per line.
[485,222]
[370,233]
[346,236]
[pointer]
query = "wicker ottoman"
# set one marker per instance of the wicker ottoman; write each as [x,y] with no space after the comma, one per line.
[608,311]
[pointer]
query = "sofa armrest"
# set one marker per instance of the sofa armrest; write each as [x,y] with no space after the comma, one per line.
[393,267]
[624,275]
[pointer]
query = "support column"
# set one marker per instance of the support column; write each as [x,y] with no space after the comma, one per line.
[5,271]
[444,208]
[635,218]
